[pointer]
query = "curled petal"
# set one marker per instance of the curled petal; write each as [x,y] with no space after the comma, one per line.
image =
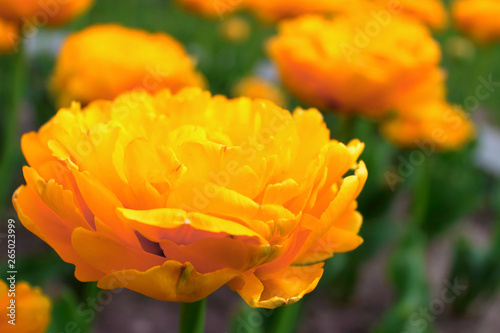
[172,281]
[283,288]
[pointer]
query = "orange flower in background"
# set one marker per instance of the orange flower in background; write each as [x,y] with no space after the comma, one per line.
[212,8]
[99,63]
[257,87]
[428,86]
[430,12]
[176,195]
[353,63]
[9,36]
[423,117]
[43,12]
[433,124]
[478,18]
[32,308]
[235,29]
[276,10]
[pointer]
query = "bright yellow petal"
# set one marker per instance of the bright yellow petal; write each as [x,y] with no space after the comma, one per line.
[181,226]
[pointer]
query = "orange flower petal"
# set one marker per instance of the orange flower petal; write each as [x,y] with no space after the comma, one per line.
[212,254]
[103,204]
[283,288]
[108,255]
[52,229]
[172,281]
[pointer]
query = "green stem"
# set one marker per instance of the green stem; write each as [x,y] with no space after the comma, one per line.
[421,194]
[193,317]
[10,153]
[287,318]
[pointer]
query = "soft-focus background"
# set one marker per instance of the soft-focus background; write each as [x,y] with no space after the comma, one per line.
[357,291]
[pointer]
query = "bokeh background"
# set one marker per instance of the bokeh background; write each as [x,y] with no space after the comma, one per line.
[378,287]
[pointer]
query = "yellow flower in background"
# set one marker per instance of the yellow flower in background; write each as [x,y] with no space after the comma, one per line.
[212,8]
[235,29]
[32,308]
[276,10]
[430,12]
[478,18]
[435,125]
[9,36]
[43,12]
[256,87]
[356,63]
[423,118]
[460,47]
[104,61]
[176,195]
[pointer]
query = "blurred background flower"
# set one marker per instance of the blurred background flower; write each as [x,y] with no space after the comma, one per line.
[31,308]
[346,69]
[478,18]
[430,12]
[235,29]
[92,65]
[433,123]
[273,11]
[213,8]
[9,36]
[42,12]
[257,87]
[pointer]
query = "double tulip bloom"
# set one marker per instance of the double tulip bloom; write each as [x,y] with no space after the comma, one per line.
[175,195]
